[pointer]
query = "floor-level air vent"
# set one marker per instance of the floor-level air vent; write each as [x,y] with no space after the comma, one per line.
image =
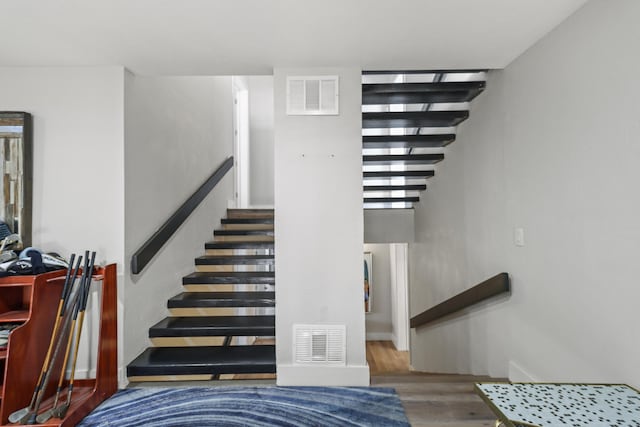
[319,344]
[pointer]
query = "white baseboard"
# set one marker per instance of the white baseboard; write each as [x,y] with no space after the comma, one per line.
[297,375]
[123,381]
[379,336]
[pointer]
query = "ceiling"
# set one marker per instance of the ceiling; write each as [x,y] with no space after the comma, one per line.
[221,37]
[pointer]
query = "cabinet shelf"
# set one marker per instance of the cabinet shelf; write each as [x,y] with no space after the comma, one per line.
[14,316]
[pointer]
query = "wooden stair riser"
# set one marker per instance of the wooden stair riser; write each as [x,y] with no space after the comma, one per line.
[225,288]
[252,227]
[203,311]
[250,213]
[258,238]
[216,311]
[209,288]
[190,341]
[228,268]
[215,252]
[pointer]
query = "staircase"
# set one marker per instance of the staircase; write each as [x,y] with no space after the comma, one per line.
[215,326]
[408,118]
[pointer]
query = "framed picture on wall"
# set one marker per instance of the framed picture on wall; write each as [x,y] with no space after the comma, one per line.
[368,282]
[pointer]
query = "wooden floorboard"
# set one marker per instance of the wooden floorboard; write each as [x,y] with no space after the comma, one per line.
[383,357]
[429,400]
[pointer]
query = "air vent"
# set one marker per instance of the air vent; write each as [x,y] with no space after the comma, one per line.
[319,344]
[312,95]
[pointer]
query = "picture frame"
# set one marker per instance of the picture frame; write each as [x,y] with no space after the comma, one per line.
[368,281]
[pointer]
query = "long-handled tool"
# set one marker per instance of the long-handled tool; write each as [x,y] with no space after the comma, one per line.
[60,411]
[70,279]
[30,417]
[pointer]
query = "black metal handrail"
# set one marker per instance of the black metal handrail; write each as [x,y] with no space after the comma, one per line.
[151,247]
[489,288]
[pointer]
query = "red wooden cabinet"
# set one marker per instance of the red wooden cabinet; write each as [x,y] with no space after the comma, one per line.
[34,301]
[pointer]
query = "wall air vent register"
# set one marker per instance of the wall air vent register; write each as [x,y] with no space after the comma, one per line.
[312,95]
[319,344]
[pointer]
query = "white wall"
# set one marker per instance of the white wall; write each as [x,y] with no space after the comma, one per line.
[550,147]
[388,225]
[77,150]
[78,163]
[319,228]
[178,131]
[378,321]
[261,139]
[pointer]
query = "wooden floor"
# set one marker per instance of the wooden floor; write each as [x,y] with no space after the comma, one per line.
[383,357]
[429,400]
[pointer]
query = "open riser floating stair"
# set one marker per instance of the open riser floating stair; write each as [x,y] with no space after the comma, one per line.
[408,118]
[223,324]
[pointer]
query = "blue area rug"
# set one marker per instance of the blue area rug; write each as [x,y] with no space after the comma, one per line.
[250,406]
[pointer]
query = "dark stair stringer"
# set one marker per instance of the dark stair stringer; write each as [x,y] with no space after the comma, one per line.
[173,361]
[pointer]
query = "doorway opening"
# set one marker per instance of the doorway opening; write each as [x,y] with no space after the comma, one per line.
[253,141]
[387,318]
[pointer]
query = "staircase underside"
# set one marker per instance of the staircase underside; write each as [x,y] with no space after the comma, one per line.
[408,118]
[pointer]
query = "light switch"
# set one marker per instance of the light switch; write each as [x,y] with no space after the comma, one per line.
[518,236]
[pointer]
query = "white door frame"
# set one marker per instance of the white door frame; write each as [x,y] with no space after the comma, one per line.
[241,140]
[400,295]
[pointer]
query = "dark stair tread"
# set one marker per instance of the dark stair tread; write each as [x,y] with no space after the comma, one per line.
[406,187]
[214,326]
[413,119]
[392,174]
[221,277]
[405,159]
[246,221]
[408,141]
[204,360]
[235,260]
[239,245]
[452,71]
[390,199]
[222,299]
[406,97]
[226,232]
[421,93]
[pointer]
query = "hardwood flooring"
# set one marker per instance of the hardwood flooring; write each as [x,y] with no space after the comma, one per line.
[429,400]
[383,357]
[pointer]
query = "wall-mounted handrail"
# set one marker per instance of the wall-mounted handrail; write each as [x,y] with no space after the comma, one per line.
[151,247]
[489,288]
